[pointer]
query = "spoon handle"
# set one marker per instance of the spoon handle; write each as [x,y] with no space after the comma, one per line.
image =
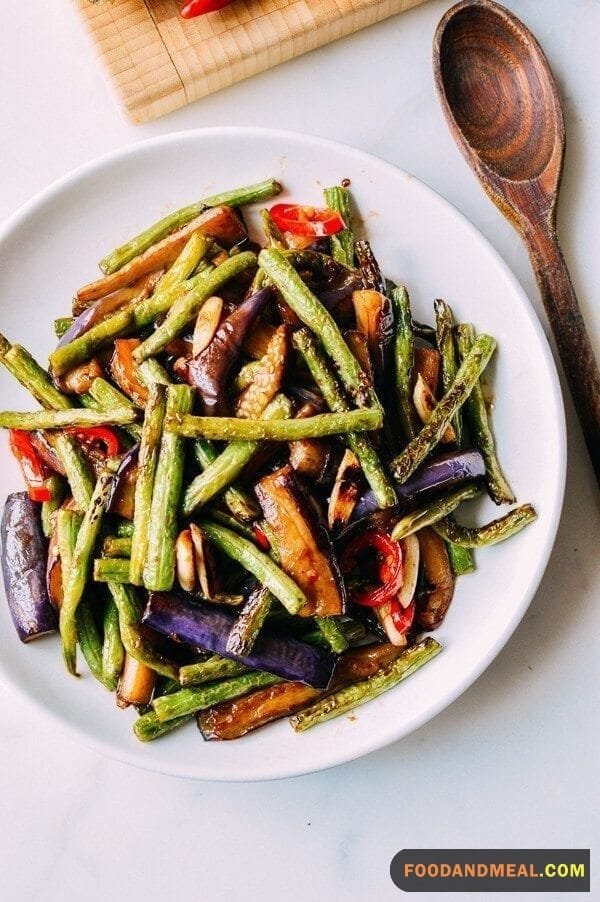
[572,340]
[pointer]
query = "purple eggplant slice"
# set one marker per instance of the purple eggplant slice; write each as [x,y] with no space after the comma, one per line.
[209,370]
[206,626]
[303,543]
[24,568]
[435,476]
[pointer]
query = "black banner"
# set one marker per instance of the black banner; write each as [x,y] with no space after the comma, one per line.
[492,870]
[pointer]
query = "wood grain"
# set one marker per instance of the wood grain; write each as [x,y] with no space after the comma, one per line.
[504,111]
[159,62]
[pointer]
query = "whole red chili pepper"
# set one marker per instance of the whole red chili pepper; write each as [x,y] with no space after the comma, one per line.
[199,7]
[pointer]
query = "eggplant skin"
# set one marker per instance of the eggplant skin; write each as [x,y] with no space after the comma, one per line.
[24,568]
[183,618]
[303,543]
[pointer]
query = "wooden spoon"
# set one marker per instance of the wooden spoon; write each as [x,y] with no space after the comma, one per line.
[503,108]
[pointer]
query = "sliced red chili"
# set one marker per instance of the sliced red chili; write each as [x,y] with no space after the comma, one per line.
[402,618]
[32,468]
[389,567]
[261,537]
[103,434]
[199,7]
[309,221]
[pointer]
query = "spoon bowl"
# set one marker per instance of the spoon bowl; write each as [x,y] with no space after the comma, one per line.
[503,108]
[501,93]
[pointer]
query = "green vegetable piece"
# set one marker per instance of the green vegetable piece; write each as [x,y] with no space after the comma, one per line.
[188,701]
[342,244]
[314,315]
[135,642]
[150,445]
[257,563]
[332,633]
[496,531]
[360,444]
[215,668]
[404,352]
[236,198]
[425,441]
[149,727]
[159,566]
[224,469]
[444,323]
[64,419]
[434,511]
[357,694]
[113,651]
[79,570]
[498,487]
[187,305]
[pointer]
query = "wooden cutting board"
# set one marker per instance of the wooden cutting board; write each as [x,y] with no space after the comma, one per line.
[160,62]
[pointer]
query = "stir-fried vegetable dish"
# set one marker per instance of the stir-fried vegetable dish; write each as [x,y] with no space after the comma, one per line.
[243,477]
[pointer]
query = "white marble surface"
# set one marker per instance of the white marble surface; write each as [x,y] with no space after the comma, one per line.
[510,764]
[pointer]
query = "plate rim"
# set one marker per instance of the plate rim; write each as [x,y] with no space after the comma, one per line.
[54,189]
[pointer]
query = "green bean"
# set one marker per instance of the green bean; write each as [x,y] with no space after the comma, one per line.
[90,643]
[61,419]
[186,263]
[332,633]
[357,694]
[106,397]
[148,726]
[245,630]
[351,630]
[121,322]
[272,233]
[144,488]
[136,644]
[498,487]
[491,533]
[113,651]
[188,701]
[336,401]
[81,564]
[125,529]
[57,493]
[257,563]
[236,497]
[30,374]
[314,315]
[444,323]
[151,371]
[187,305]
[404,361]
[461,559]
[433,512]
[238,197]
[116,546]
[228,465]
[425,441]
[62,325]
[19,362]
[342,244]
[215,668]
[159,566]
[111,569]
[232,429]
[230,522]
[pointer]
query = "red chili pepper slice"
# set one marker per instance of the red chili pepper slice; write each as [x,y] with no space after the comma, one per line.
[199,7]
[261,537]
[32,468]
[309,221]
[103,434]
[389,566]
[402,618]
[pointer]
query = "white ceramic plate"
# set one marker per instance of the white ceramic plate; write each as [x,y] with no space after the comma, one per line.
[51,247]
